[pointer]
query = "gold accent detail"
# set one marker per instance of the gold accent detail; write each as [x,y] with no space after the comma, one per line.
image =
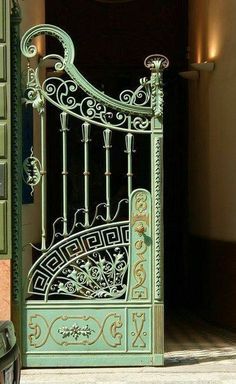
[139,244]
[113,331]
[140,229]
[141,202]
[138,321]
[35,336]
[139,291]
[140,217]
[45,329]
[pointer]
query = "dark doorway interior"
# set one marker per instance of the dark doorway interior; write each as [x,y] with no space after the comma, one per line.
[112,41]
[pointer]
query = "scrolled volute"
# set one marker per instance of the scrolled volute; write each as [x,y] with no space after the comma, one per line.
[30,50]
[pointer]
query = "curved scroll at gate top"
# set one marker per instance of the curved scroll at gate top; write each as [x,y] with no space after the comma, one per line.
[76,96]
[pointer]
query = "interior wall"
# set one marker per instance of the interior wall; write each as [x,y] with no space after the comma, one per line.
[212,160]
[31,16]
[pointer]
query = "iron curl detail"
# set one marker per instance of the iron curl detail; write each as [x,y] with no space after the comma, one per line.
[30,50]
[140,123]
[66,63]
[101,275]
[156,62]
[141,96]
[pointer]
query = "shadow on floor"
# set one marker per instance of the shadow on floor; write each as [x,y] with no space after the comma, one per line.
[190,340]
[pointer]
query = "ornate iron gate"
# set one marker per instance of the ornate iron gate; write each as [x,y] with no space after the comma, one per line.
[95,293]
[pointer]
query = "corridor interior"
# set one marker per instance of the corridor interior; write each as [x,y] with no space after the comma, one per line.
[191,340]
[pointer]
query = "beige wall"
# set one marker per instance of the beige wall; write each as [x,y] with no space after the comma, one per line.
[212,120]
[33,13]
[5,289]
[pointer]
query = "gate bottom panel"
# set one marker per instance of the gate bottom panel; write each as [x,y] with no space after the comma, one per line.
[86,330]
[91,360]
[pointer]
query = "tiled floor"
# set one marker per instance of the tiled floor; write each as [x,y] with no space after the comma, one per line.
[190,340]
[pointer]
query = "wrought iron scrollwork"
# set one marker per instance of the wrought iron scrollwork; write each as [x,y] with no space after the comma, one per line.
[32,93]
[88,264]
[100,275]
[68,96]
[131,112]
[66,63]
[32,171]
[141,96]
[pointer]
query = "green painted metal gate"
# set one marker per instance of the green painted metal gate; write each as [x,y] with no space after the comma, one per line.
[94,293]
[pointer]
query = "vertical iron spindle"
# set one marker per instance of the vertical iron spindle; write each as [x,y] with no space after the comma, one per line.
[44,179]
[86,128]
[107,133]
[129,143]
[64,129]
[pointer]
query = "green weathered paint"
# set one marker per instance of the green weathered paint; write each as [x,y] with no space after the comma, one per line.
[90,335]
[140,287]
[64,129]
[99,285]
[5,133]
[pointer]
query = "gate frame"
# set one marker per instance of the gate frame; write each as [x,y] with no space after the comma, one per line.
[156,64]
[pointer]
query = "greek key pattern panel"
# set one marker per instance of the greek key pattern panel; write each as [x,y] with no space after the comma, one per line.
[140,245]
[89,329]
[88,264]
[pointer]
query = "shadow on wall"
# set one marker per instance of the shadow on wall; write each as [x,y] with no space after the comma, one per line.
[212,288]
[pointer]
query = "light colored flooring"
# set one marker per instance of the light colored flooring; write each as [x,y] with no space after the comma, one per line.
[196,352]
[191,340]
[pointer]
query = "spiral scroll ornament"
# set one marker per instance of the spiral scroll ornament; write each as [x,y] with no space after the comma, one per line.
[68,95]
[30,50]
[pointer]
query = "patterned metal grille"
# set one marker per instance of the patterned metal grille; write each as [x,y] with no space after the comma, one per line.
[88,265]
